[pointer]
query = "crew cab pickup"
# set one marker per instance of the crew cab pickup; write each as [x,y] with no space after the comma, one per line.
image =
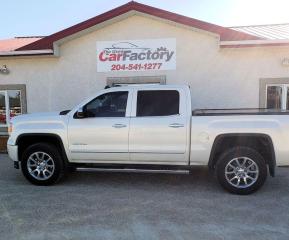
[151,127]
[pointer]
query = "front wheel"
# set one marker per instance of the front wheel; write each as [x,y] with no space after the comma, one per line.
[241,170]
[42,164]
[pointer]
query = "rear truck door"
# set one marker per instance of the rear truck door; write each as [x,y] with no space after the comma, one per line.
[102,135]
[159,127]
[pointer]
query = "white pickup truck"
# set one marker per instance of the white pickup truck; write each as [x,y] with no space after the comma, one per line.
[151,127]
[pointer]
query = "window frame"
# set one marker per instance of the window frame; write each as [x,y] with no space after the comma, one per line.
[285,88]
[7,105]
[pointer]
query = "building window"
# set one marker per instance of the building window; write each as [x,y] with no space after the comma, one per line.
[277,96]
[10,105]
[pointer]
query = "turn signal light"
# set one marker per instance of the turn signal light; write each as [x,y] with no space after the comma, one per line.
[10,128]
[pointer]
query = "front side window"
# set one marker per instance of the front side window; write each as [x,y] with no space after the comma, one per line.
[111,104]
[157,103]
[10,105]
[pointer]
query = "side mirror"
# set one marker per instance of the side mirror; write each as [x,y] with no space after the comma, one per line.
[80,113]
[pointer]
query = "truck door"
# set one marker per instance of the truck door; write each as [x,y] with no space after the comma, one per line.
[159,129]
[102,134]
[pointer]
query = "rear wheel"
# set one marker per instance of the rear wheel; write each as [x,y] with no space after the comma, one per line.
[241,170]
[42,164]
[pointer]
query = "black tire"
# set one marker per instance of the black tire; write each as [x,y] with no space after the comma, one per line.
[241,187]
[53,153]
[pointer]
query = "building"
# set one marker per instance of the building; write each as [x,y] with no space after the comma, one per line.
[236,67]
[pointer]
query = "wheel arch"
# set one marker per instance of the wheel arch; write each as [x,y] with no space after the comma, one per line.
[259,141]
[26,139]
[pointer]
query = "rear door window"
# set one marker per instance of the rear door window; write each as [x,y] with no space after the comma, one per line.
[157,103]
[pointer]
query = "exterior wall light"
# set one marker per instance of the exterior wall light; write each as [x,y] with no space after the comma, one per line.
[4,70]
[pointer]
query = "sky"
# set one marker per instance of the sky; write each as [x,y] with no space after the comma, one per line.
[41,18]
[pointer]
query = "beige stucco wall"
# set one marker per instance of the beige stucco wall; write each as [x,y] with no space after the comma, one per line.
[219,78]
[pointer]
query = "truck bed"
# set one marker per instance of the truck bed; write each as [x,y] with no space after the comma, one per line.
[238,111]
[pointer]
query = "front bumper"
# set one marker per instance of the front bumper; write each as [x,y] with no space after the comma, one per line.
[13,152]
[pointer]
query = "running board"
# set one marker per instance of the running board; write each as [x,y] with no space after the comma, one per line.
[131,170]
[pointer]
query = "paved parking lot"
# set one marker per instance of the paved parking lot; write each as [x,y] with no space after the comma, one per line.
[93,205]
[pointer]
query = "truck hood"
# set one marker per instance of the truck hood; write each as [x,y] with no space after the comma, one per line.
[38,117]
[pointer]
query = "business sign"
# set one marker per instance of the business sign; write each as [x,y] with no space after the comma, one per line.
[136,55]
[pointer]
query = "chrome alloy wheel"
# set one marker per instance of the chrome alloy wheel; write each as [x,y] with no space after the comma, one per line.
[40,165]
[241,172]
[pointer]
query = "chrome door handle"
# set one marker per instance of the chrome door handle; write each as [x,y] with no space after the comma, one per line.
[117,125]
[176,125]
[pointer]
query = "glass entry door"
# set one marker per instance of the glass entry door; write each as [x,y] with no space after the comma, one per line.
[10,105]
[3,108]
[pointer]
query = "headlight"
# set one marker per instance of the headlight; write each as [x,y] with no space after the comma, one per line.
[10,128]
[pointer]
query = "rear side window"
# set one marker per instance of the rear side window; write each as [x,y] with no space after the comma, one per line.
[157,103]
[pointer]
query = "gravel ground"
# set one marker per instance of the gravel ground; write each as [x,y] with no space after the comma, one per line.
[142,206]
